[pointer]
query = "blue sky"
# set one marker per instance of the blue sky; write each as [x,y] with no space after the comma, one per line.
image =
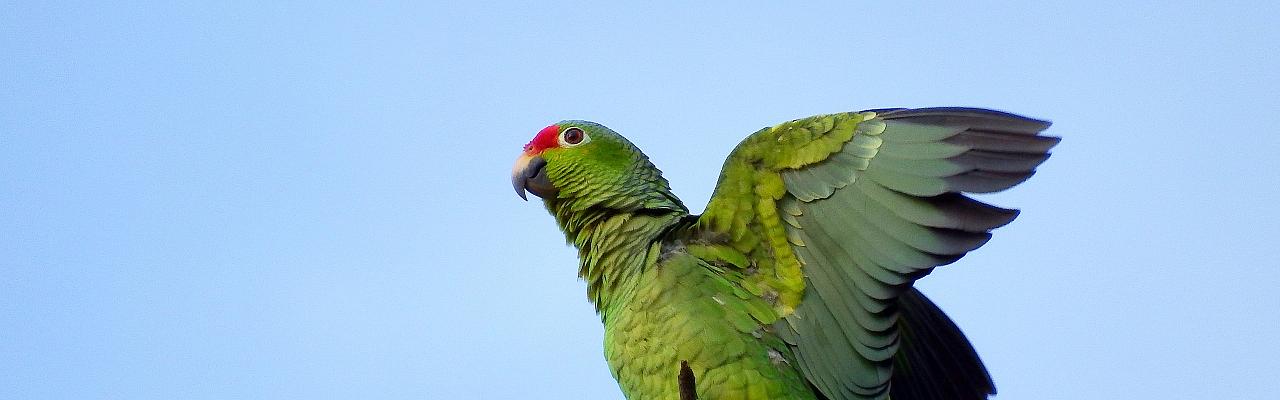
[311,201]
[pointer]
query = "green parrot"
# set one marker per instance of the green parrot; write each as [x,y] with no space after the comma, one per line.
[796,281]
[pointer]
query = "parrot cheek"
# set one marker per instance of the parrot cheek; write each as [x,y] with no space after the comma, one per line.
[529,174]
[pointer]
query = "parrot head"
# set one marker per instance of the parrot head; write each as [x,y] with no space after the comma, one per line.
[588,164]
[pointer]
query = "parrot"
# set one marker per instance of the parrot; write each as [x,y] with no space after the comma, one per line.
[796,281]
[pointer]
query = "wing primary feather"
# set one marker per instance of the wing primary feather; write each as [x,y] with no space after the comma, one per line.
[985,181]
[948,210]
[1000,161]
[1003,142]
[971,117]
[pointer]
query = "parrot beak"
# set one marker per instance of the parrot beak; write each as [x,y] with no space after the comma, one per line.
[529,175]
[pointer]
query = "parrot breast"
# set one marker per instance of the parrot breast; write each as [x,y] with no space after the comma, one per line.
[681,311]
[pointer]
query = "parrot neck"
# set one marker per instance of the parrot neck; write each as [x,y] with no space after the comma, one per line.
[614,247]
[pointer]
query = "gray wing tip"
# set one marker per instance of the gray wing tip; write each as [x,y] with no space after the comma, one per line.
[1033,124]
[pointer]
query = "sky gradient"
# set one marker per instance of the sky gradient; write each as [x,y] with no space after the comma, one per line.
[248,201]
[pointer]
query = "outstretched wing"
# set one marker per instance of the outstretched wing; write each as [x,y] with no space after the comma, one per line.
[841,213]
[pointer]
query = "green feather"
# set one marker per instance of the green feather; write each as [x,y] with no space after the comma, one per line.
[796,282]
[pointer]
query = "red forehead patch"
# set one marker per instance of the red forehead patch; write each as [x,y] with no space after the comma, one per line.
[545,139]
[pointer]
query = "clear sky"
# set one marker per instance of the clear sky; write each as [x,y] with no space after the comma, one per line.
[248,201]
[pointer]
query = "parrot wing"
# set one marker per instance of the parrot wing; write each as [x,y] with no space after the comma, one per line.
[839,214]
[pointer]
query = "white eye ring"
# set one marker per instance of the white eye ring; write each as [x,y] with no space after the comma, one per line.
[568,135]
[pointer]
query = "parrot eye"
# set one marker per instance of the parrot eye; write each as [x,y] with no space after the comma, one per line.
[573,136]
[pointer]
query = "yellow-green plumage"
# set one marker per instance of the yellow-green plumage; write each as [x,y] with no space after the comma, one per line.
[795,283]
[685,309]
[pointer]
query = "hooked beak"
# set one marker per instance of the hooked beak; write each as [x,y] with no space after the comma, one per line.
[529,175]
